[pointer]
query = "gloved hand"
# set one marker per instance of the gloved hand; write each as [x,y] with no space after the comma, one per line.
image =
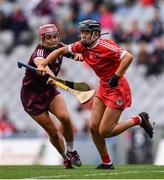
[113,81]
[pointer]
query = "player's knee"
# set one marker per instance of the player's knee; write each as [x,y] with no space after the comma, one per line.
[94,129]
[54,135]
[65,119]
[49,127]
[105,132]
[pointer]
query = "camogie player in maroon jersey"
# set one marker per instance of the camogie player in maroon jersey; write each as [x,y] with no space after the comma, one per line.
[39,98]
[109,62]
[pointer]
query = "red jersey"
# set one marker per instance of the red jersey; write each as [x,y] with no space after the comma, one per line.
[104,58]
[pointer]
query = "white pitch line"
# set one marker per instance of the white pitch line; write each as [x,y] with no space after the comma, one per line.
[95,174]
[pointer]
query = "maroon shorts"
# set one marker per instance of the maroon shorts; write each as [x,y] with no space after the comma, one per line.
[36,102]
[115,98]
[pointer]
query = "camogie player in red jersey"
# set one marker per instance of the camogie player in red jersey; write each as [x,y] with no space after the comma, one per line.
[109,61]
[39,98]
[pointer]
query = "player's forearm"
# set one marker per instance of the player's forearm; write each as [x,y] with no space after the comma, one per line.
[53,56]
[125,62]
[38,61]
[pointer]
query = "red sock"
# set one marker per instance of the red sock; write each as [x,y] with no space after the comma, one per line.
[106,159]
[137,120]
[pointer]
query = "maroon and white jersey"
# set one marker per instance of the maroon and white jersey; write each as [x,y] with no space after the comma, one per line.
[32,78]
[36,94]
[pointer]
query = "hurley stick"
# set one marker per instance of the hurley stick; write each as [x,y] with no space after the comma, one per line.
[79,86]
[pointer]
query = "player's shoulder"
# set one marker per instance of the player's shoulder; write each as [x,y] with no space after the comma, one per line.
[38,48]
[77,43]
[39,51]
[77,46]
[108,43]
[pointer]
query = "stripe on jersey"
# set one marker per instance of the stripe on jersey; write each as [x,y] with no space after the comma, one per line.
[122,54]
[114,48]
[40,53]
[109,46]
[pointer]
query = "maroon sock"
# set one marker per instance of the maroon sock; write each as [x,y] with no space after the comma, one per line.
[137,120]
[106,159]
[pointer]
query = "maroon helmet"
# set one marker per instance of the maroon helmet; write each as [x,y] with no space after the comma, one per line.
[47,28]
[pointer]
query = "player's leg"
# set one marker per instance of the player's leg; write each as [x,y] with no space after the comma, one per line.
[110,127]
[99,141]
[59,109]
[45,121]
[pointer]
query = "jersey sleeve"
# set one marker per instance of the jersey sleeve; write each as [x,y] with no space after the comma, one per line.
[119,51]
[122,54]
[75,47]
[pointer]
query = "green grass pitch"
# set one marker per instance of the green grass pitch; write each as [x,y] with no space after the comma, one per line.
[84,172]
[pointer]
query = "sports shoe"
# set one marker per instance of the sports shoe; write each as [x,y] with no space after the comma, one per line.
[74,158]
[145,123]
[105,166]
[67,164]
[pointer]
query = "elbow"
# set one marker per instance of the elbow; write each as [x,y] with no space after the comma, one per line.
[63,51]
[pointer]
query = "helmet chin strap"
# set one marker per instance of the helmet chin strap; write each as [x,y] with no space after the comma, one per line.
[99,37]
